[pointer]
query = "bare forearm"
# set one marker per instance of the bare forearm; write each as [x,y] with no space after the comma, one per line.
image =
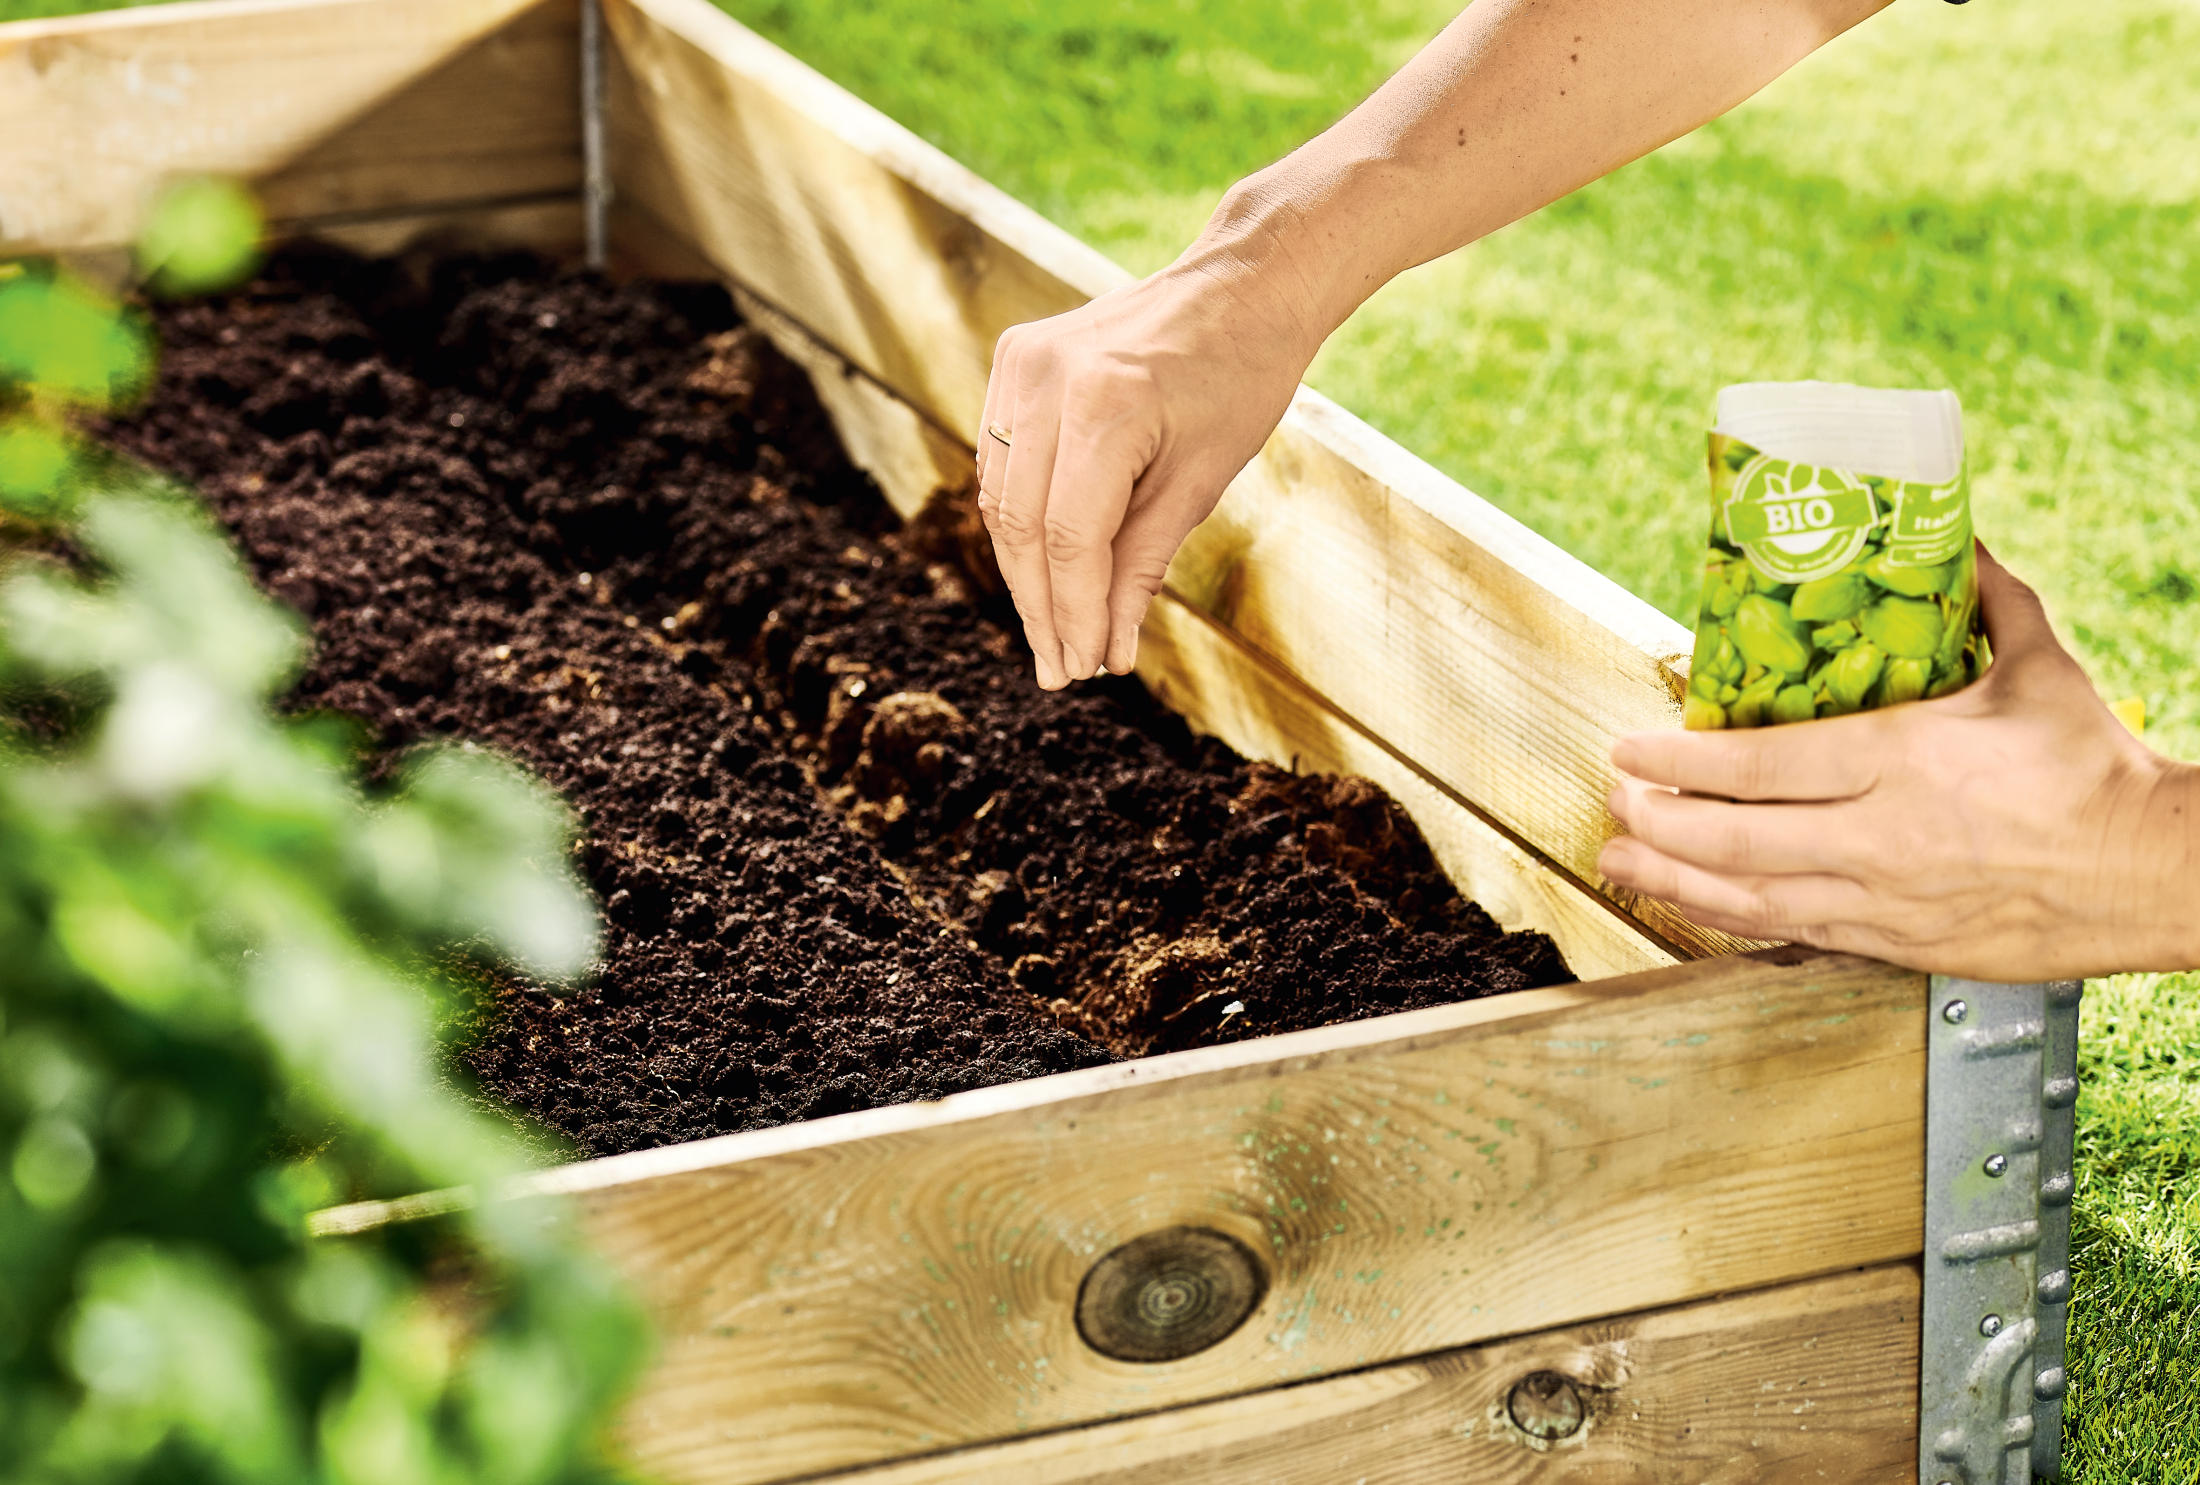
[1517,103]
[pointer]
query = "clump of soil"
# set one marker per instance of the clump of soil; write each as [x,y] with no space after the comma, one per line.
[848,854]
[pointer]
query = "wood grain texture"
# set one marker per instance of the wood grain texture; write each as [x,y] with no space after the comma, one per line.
[902,1281]
[552,227]
[1207,674]
[330,107]
[1507,666]
[1813,1381]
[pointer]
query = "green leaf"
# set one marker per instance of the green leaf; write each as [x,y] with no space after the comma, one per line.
[69,342]
[203,236]
[35,458]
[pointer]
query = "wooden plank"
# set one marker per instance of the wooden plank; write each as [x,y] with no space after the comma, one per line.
[902,1280]
[1206,674]
[332,107]
[552,227]
[499,120]
[1507,666]
[1813,1381]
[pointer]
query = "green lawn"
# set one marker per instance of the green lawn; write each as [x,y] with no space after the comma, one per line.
[1998,198]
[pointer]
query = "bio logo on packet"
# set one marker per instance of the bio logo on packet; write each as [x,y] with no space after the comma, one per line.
[1840,573]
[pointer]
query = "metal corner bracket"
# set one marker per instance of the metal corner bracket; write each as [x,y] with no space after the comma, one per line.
[2001,1094]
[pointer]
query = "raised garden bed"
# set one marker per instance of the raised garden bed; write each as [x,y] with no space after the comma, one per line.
[850,855]
[1664,1224]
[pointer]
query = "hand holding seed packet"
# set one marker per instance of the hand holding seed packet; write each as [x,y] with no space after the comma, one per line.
[1841,578]
[1840,574]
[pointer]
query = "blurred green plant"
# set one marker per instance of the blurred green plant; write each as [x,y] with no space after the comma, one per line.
[204,235]
[222,962]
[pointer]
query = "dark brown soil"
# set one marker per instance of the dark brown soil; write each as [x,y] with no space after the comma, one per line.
[848,854]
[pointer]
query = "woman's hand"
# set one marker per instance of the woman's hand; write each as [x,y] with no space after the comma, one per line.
[1111,431]
[2013,831]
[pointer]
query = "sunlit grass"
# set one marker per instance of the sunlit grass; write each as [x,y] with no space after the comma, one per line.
[1873,217]
[2134,1404]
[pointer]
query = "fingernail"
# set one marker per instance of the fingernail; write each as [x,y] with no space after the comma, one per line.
[1623,753]
[1072,664]
[1122,654]
[1048,673]
[1612,862]
[1616,802]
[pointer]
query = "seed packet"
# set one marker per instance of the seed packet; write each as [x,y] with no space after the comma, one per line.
[1840,574]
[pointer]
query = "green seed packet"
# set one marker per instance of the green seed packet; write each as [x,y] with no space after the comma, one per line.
[1840,574]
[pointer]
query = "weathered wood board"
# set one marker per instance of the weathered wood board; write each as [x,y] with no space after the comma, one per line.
[1812,1381]
[333,109]
[902,1281]
[1508,666]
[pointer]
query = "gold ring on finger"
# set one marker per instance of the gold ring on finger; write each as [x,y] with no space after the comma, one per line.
[997,431]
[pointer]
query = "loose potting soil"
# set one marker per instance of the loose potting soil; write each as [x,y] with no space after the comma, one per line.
[848,853]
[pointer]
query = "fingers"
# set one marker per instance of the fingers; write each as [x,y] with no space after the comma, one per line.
[1792,907]
[1728,838]
[987,446]
[1014,510]
[1167,503]
[1142,552]
[2016,620]
[1103,451]
[1837,758]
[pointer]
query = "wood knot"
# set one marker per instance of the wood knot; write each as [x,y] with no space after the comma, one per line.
[1169,1294]
[1545,1406]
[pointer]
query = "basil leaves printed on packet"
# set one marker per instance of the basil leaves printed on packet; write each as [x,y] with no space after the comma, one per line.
[1828,592]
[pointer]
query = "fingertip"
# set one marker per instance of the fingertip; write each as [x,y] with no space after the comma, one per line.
[1627,752]
[1123,652]
[1048,671]
[1617,862]
[1074,665]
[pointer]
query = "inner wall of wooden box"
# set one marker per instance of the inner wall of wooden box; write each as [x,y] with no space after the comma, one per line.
[895,1284]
